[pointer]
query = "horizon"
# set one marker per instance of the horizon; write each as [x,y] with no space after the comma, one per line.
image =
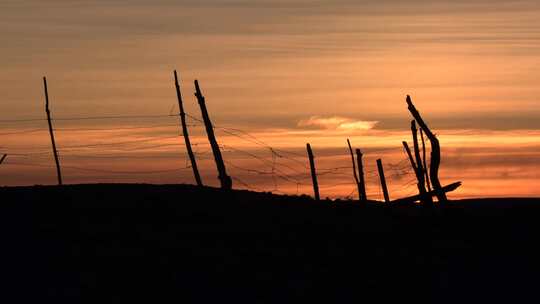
[286,72]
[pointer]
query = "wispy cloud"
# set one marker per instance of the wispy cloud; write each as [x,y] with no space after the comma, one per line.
[336,123]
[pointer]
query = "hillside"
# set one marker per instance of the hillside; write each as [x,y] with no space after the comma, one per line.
[165,243]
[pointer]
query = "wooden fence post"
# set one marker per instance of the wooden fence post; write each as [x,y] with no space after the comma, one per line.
[225,180]
[426,200]
[383,181]
[409,154]
[186,133]
[354,171]
[428,184]
[435,160]
[313,172]
[363,196]
[51,132]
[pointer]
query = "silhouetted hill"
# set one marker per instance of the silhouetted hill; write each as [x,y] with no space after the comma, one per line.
[178,243]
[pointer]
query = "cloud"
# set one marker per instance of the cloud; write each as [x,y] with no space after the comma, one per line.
[337,123]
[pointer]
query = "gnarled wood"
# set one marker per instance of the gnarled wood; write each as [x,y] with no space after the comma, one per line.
[435,152]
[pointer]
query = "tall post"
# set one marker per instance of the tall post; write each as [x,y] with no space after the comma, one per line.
[409,154]
[426,200]
[313,172]
[225,180]
[55,152]
[435,160]
[428,184]
[363,195]
[3,158]
[383,181]
[354,171]
[186,133]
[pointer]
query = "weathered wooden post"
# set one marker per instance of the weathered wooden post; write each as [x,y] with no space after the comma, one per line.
[3,158]
[51,132]
[426,200]
[186,133]
[363,196]
[313,172]
[428,184]
[435,160]
[354,171]
[409,154]
[225,180]
[383,181]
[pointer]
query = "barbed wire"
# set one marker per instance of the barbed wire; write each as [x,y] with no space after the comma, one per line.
[280,166]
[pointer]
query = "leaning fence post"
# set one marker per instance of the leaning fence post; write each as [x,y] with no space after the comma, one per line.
[363,196]
[435,152]
[186,133]
[313,172]
[225,180]
[383,181]
[354,171]
[51,132]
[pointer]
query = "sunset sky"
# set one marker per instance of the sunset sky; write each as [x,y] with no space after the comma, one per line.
[287,72]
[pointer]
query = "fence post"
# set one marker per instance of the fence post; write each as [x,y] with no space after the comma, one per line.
[428,184]
[51,132]
[383,181]
[354,171]
[435,160]
[363,196]
[225,180]
[186,133]
[426,200]
[313,172]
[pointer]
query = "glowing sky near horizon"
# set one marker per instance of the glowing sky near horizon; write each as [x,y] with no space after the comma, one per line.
[289,72]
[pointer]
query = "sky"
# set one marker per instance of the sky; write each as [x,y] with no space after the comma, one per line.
[287,73]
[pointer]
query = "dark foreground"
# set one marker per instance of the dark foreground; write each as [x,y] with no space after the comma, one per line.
[157,244]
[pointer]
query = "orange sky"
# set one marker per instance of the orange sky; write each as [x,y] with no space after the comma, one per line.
[288,72]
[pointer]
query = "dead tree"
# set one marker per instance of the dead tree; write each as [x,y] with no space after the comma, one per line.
[313,172]
[383,181]
[186,133]
[225,180]
[363,196]
[428,184]
[51,132]
[435,160]
[354,171]
[3,158]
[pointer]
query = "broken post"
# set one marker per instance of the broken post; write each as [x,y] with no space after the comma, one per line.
[186,133]
[55,152]
[426,200]
[363,195]
[383,181]
[354,171]
[428,184]
[225,180]
[3,158]
[313,172]
[435,160]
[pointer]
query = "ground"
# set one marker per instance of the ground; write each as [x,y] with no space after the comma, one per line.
[169,243]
